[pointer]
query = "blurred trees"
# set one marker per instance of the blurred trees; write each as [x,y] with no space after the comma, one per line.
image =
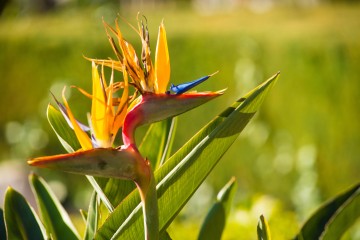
[41,6]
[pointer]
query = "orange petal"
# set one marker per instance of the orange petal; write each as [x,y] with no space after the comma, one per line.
[130,58]
[83,138]
[162,61]
[117,65]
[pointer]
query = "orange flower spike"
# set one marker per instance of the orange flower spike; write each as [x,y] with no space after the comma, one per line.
[162,61]
[83,138]
[112,42]
[149,85]
[131,61]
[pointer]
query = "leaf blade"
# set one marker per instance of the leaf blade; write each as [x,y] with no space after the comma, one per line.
[62,130]
[344,217]
[57,222]
[156,140]
[214,223]
[92,218]
[316,224]
[263,230]
[20,218]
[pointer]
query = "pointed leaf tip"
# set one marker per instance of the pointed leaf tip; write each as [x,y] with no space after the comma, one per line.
[20,218]
[263,229]
[215,221]
[254,99]
[56,220]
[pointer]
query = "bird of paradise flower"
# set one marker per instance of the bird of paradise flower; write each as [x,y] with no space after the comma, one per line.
[98,156]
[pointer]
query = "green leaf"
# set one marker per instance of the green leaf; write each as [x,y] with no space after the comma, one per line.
[344,218]
[169,141]
[157,142]
[2,225]
[183,173]
[327,214]
[57,222]
[62,129]
[263,230]
[215,221]
[20,218]
[116,189]
[92,218]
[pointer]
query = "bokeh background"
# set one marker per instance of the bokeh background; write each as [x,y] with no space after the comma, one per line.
[302,147]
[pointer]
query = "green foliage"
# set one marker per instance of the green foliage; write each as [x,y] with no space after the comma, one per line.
[178,177]
[92,219]
[20,218]
[263,230]
[157,143]
[333,218]
[62,129]
[56,221]
[183,173]
[215,221]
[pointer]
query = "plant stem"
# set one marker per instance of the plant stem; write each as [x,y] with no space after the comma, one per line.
[147,189]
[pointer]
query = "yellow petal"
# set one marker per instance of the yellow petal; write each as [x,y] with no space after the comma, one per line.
[98,109]
[83,138]
[162,61]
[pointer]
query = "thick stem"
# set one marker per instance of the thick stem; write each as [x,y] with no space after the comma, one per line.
[131,122]
[147,189]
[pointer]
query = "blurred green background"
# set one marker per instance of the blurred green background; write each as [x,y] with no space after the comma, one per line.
[302,148]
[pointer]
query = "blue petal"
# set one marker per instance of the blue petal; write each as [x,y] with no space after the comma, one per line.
[181,88]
